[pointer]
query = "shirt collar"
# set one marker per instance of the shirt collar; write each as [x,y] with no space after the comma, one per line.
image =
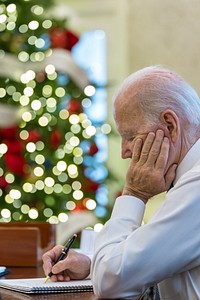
[192,156]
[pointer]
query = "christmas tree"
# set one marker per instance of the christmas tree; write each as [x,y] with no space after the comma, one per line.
[45,135]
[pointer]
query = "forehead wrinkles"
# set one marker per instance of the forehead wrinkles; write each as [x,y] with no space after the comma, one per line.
[125,105]
[126,117]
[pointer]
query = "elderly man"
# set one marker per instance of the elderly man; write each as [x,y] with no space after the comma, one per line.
[157,115]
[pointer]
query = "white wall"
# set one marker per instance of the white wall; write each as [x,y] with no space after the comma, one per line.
[166,32]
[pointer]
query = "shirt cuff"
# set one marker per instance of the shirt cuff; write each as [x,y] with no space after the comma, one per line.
[129,207]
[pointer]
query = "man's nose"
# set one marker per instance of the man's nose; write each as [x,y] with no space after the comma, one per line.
[126,150]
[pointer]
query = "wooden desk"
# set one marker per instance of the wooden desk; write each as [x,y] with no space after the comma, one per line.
[24,272]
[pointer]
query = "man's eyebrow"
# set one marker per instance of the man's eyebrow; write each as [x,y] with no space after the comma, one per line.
[127,133]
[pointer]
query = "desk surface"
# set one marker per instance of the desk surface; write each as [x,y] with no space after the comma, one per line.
[38,272]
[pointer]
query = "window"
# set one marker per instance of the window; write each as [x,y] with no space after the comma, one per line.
[90,54]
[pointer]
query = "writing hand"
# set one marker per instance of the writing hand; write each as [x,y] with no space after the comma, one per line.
[74,266]
[148,173]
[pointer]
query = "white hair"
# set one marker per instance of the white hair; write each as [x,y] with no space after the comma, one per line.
[156,88]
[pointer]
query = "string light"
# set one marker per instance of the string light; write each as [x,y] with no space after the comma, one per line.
[47,24]
[98,227]
[36,105]
[53,220]
[33,25]
[23,29]
[90,204]
[51,102]
[78,195]
[89,90]
[62,217]
[33,213]
[43,121]
[15,194]
[10,178]
[61,166]
[39,185]
[64,114]
[39,159]
[5,213]
[49,181]
[90,130]
[38,171]
[72,169]
[48,190]
[57,188]
[74,141]
[62,177]
[86,102]
[27,187]
[2,92]
[48,212]
[39,43]
[70,205]
[50,69]
[3,149]
[74,119]
[67,189]
[11,8]
[30,147]
[25,209]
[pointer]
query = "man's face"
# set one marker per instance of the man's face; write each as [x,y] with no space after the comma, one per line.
[130,124]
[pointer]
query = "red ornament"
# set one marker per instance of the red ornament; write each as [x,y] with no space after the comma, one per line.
[74,107]
[78,207]
[62,38]
[93,149]
[55,139]
[3,182]
[14,160]
[14,147]
[9,133]
[33,136]
[72,39]
[15,163]
[89,185]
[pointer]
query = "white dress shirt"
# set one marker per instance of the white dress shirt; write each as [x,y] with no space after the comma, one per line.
[130,257]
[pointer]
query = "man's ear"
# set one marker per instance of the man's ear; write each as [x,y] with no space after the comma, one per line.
[171,122]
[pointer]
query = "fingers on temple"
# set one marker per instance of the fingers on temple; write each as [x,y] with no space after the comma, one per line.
[159,151]
[163,155]
[137,150]
[146,149]
[156,147]
[153,150]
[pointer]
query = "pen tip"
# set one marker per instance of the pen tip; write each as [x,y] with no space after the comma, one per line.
[47,278]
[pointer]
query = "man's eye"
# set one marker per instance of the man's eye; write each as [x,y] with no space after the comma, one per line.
[130,139]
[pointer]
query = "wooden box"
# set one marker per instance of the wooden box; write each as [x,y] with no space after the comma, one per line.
[23,244]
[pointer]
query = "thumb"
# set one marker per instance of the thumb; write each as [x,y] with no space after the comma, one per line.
[170,175]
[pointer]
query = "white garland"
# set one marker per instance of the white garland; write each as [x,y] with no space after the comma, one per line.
[9,115]
[61,59]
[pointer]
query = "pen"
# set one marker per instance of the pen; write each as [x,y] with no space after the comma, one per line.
[63,254]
